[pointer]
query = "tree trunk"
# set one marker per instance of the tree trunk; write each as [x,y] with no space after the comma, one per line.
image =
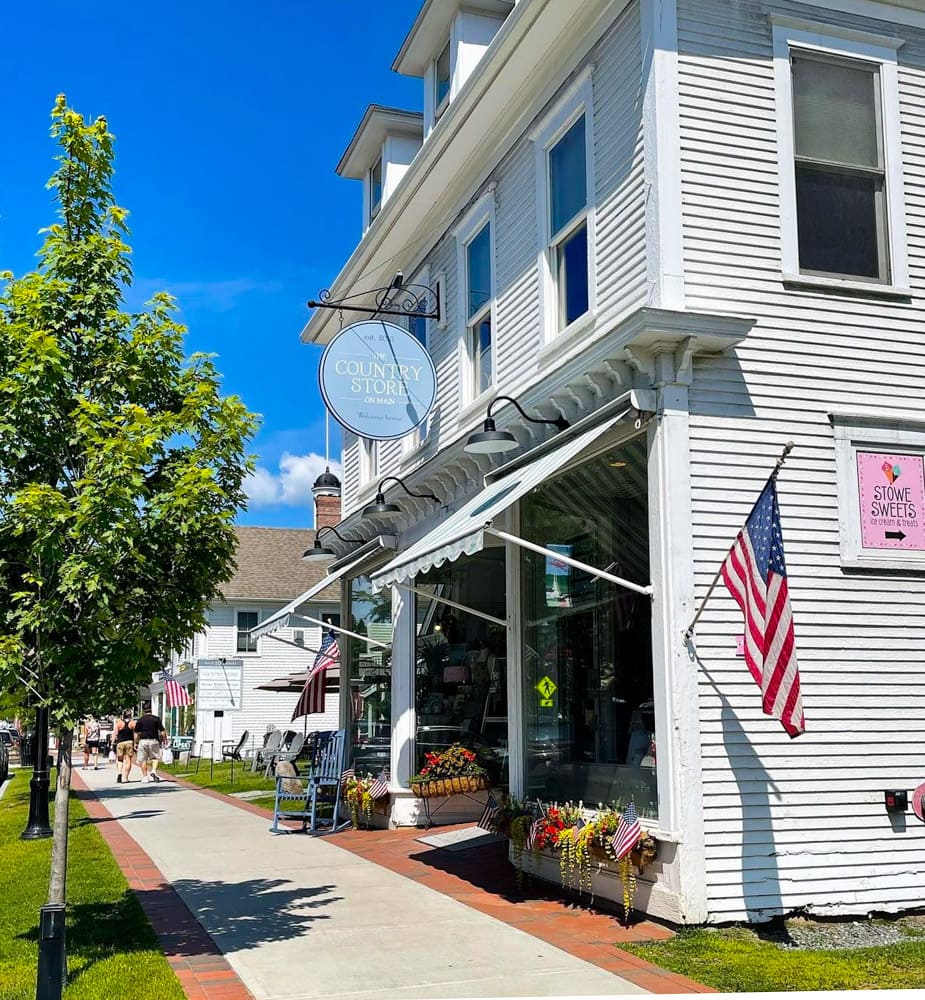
[57,886]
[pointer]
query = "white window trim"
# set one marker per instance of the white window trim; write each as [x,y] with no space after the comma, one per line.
[368,461]
[482,212]
[440,286]
[856,432]
[410,443]
[372,215]
[251,652]
[578,99]
[790,34]
[440,108]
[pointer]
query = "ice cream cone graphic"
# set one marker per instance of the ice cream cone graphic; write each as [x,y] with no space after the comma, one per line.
[891,471]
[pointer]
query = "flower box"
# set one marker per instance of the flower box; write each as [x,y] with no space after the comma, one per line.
[449,786]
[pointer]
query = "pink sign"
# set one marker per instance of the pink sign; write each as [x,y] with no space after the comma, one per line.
[740,645]
[891,492]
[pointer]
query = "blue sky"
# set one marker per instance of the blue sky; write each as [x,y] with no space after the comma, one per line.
[229,120]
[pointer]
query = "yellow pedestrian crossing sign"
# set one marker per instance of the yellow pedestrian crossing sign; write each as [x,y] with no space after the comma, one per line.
[547,688]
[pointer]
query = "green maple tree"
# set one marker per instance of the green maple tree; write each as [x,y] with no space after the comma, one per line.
[122,466]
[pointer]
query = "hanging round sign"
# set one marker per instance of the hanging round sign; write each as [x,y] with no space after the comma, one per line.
[377,380]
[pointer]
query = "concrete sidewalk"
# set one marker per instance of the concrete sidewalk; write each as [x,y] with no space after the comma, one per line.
[297,917]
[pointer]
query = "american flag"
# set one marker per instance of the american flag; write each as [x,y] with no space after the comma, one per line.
[489,813]
[380,787]
[177,694]
[628,832]
[347,775]
[755,573]
[311,700]
[531,835]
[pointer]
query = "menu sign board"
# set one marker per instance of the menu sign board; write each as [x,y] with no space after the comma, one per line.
[219,684]
[891,494]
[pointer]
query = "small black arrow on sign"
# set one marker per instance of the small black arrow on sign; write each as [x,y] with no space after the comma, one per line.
[895,534]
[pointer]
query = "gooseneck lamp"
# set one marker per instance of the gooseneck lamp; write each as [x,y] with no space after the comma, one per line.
[381,508]
[491,441]
[318,551]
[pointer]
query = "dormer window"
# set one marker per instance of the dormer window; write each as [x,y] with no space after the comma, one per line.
[375,189]
[442,81]
[381,150]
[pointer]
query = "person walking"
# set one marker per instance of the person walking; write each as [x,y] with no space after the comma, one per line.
[91,742]
[123,739]
[150,733]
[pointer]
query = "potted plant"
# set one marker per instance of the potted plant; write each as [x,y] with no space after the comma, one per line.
[358,799]
[452,772]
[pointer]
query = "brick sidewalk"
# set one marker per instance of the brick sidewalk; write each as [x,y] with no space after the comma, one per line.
[201,968]
[483,879]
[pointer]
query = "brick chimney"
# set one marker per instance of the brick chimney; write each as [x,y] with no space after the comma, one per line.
[326,492]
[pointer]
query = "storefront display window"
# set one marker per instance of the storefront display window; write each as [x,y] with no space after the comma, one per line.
[370,677]
[589,716]
[460,661]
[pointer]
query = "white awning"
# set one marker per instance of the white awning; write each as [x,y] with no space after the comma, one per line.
[288,616]
[463,533]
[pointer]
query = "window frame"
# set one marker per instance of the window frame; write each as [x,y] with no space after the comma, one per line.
[578,100]
[441,104]
[375,206]
[845,46]
[368,460]
[238,632]
[480,215]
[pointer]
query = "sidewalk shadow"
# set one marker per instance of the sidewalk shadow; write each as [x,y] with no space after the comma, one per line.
[241,915]
[136,814]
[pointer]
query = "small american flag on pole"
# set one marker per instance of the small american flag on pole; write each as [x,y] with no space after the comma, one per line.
[311,700]
[380,787]
[177,694]
[531,835]
[756,576]
[628,832]
[489,813]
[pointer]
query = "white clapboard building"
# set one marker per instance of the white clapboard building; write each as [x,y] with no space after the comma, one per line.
[270,573]
[694,230]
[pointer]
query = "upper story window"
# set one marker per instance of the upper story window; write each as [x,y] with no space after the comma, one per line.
[842,213]
[565,198]
[419,328]
[246,643]
[442,81]
[568,224]
[375,189]
[478,303]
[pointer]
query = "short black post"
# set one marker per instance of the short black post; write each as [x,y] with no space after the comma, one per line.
[52,970]
[37,825]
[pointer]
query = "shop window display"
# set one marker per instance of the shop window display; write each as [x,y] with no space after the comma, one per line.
[461,667]
[587,656]
[370,677]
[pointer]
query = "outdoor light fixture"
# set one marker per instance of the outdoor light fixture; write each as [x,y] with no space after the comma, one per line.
[318,551]
[380,508]
[491,441]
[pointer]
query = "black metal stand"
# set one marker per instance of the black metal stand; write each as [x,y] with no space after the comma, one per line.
[429,813]
[52,970]
[37,825]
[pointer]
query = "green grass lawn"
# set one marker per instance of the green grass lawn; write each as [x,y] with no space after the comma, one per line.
[110,942]
[735,960]
[220,781]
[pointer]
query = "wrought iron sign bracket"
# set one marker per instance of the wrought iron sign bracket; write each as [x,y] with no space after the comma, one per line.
[396,299]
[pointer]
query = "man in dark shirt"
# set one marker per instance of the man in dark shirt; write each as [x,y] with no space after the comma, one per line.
[150,734]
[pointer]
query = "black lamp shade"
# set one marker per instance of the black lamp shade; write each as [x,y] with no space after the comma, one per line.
[380,508]
[490,441]
[317,552]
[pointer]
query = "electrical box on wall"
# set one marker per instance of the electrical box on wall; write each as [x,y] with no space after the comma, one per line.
[896,802]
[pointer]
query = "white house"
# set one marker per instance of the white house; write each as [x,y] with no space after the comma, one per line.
[693,230]
[270,572]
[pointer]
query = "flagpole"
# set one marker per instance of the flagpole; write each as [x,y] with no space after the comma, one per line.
[689,631]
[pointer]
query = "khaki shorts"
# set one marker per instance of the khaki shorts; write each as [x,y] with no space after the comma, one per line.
[148,750]
[125,749]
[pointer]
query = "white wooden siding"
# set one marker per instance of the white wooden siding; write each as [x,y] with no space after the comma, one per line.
[273,659]
[798,823]
[619,249]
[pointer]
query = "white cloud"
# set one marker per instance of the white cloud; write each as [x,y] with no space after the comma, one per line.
[292,485]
